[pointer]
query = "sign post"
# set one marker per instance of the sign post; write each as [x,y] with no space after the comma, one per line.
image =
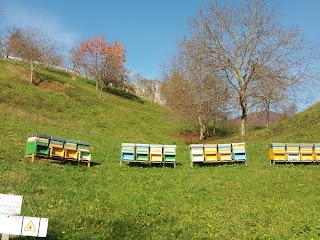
[10,205]
[10,223]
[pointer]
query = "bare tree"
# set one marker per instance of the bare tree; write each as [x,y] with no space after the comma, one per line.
[289,109]
[1,38]
[270,91]
[13,41]
[193,89]
[51,55]
[178,97]
[75,58]
[2,46]
[32,45]
[245,42]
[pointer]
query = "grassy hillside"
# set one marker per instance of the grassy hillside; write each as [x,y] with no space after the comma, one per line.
[107,201]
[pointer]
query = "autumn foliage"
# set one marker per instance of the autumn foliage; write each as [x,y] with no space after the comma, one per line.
[102,61]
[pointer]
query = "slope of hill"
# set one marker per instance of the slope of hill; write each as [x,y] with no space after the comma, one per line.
[302,127]
[61,107]
[256,200]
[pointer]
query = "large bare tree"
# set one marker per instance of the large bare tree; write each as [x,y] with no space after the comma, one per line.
[246,42]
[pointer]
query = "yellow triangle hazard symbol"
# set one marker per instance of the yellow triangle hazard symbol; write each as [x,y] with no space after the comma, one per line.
[30,227]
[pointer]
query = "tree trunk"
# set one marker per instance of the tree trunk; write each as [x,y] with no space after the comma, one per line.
[214,126]
[31,72]
[203,129]
[74,74]
[268,118]
[268,114]
[100,92]
[97,85]
[243,126]
[243,118]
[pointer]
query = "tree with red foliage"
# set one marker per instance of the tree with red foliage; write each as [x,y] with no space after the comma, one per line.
[102,61]
[113,65]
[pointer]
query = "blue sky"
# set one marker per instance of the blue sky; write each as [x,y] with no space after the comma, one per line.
[149,29]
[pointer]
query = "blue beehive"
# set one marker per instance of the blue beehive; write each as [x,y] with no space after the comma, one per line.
[128,152]
[238,152]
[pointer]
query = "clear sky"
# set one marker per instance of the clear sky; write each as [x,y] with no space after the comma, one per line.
[149,29]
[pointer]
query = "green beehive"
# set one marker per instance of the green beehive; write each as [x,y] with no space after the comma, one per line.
[38,144]
[169,152]
[142,152]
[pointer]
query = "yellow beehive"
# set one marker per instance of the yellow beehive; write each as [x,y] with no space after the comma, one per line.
[210,153]
[70,149]
[316,152]
[71,154]
[277,152]
[306,152]
[156,153]
[225,153]
[57,147]
[56,152]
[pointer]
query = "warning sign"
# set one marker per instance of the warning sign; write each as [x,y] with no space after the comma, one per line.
[30,227]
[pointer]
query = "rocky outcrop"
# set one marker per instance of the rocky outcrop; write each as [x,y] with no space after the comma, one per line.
[150,90]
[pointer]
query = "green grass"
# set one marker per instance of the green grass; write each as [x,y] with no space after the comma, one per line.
[256,200]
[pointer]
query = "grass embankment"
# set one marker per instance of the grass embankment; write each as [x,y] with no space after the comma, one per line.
[252,201]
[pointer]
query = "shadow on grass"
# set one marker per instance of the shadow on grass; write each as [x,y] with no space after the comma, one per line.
[294,163]
[190,134]
[123,94]
[63,161]
[46,76]
[214,164]
[150,165]
[127,229]
[50,236]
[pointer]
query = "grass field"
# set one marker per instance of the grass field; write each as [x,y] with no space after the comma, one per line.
[256,200]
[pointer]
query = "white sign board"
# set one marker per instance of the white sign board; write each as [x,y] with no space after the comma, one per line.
[10,224]
[34,227]
[25,226]
[10,204]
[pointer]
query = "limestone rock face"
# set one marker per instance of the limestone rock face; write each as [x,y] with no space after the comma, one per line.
[150,90]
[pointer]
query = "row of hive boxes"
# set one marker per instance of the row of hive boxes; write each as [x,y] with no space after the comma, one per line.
[45,145]
[148,153]
[293,152]
[218,152]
